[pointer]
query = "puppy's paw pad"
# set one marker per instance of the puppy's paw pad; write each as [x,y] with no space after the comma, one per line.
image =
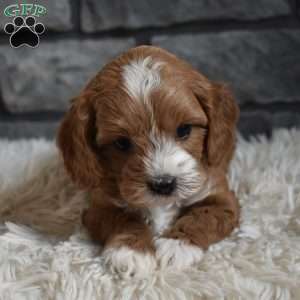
[177,253]
[127,263]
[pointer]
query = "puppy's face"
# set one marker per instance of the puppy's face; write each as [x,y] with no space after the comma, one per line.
[142,131]
[150,135]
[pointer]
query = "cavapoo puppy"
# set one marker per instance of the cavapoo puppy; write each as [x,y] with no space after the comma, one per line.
[151,139]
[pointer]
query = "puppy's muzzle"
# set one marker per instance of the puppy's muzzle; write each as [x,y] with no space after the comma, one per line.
[162,185]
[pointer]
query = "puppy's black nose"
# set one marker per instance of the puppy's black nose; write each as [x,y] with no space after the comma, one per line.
[162,185]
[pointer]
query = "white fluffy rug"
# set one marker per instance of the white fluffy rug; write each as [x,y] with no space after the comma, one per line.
[56,260]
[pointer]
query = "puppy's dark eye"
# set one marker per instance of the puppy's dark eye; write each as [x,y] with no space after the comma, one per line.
[123,144]
[183,131]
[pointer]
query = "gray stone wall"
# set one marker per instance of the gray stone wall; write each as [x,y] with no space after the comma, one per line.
[252,45]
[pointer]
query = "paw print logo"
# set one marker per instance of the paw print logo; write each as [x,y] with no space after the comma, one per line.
[24,32]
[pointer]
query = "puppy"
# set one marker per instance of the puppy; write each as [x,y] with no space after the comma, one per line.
[151,140]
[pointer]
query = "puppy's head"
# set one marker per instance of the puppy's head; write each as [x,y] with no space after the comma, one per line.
[147,129]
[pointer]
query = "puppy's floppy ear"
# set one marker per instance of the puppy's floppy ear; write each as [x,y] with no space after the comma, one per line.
[223,113]
[76,140]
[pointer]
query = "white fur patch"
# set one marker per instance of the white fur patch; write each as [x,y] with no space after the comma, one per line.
[127,263]
[177,253]
[167,158]
[161,217]
[140,77]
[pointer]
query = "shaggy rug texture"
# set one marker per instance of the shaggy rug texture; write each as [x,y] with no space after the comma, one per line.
[45,254]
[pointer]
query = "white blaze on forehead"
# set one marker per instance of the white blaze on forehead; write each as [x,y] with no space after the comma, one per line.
[141,76]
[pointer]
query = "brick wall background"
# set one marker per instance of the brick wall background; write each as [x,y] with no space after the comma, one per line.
[253,45]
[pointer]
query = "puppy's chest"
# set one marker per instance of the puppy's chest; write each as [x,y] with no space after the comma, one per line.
[160,218]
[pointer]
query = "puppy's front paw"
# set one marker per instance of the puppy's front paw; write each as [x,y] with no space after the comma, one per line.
[127,263]
[177,253]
